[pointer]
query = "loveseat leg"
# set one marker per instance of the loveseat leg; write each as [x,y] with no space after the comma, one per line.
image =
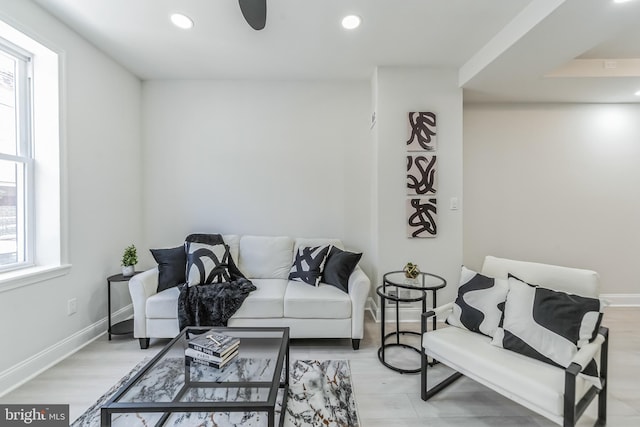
[604,360]
[355,343]
[144,343]
[425,392]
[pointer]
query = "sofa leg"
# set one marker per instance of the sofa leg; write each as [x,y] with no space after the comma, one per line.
[423,375]
[355,343]
[427,393]
[144,343]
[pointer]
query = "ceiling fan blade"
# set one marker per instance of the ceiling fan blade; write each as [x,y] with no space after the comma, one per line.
[255,12]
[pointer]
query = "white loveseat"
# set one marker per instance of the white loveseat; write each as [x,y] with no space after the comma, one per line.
[310,312]
[546,389]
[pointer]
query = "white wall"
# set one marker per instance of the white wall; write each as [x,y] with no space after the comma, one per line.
[101,193]
[555,184]
[256,157]
[399,91]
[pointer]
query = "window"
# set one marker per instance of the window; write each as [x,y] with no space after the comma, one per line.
[32,222]
[16,163]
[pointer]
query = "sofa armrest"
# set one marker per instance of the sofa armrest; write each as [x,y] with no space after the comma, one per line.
[359,285]
[141,287]
[588,352]
[437,311]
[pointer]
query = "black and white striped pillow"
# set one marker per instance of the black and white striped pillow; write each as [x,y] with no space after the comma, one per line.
[479,304]
[308,264]
[207,263]
[549,325]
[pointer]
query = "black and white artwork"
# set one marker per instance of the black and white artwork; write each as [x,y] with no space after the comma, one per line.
[422,128]
[421,217]
[421,174]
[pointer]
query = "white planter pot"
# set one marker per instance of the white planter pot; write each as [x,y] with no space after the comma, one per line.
[128,270]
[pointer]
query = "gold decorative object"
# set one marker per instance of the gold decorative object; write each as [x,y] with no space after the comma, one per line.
[411,270]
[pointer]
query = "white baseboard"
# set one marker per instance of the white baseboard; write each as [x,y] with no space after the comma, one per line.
[622,300]
[24,371]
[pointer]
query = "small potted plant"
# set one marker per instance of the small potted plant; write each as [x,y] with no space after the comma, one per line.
[129,260]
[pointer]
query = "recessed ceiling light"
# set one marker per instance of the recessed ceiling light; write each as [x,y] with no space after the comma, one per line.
[181,21]
[638,93]
[621,1]
[351,22]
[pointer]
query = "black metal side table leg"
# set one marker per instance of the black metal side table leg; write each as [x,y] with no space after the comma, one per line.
[397,322]
[109,309]
[382,328]
[435,304]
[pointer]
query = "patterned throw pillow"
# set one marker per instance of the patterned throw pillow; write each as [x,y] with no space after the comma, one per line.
[207,263]
[308,264]
[479,304]
[549,325]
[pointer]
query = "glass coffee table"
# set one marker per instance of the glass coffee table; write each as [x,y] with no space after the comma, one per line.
[168,391]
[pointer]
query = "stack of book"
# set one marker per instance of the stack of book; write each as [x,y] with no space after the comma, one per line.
[212,349]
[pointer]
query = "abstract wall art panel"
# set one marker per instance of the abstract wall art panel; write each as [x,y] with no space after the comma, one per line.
[421,174]
[422,128]
[421,217]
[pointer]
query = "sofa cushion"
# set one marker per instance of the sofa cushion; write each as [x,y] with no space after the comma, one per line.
[338,267]
[480,302]
[318,241]
[172,264]
[573,280]
[265,302]
[207,263]
[549,325]
[233,240]
[316,302]
[308,264]
[265,257]
[523,379]
[163,305]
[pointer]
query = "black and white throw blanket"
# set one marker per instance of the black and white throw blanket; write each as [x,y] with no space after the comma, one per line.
[212,304]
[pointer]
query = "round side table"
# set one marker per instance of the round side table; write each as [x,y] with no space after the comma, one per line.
[126,326]
[391,289]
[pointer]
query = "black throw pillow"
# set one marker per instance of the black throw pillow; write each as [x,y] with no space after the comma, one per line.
[338,267]
[172,264]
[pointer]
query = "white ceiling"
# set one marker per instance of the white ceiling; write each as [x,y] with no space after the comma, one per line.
[503,48]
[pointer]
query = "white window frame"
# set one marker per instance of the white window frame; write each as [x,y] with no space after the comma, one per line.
[25,231]
[47,244]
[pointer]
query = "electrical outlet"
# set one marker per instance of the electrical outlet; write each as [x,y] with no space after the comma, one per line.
[72,306]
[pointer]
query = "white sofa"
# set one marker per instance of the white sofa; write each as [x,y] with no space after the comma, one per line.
[548,390]
[310,312]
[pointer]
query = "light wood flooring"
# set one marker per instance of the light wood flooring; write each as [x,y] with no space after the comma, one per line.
[384,398]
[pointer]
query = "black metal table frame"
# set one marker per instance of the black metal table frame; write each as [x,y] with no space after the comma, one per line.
[268,406]
[381,291]
[124,327]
